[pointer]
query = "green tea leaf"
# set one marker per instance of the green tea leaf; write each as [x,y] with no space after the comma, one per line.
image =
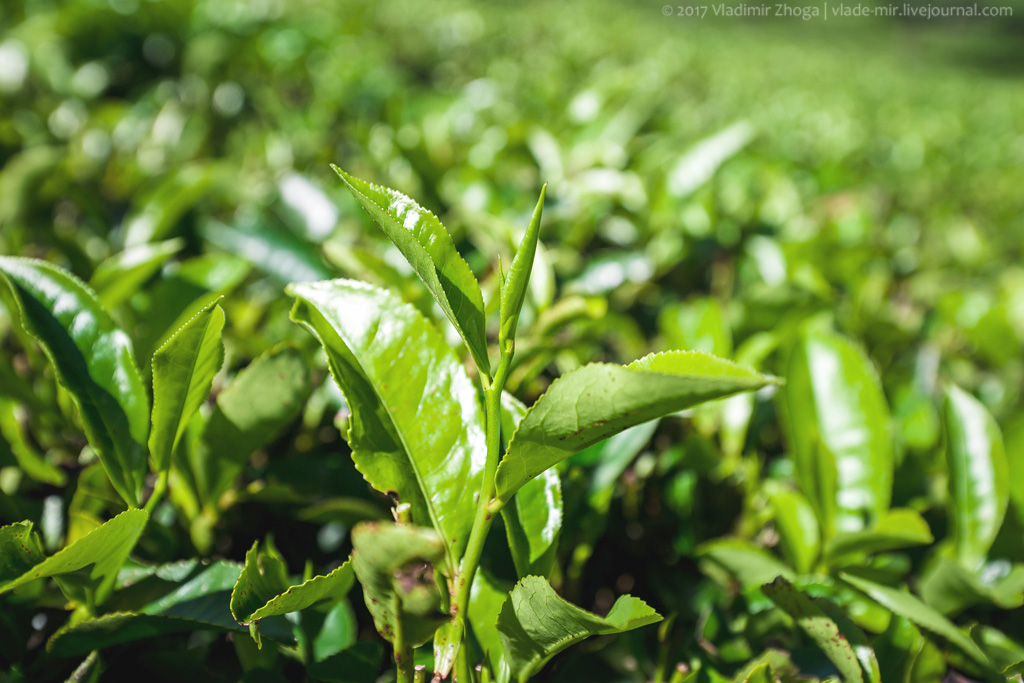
[33,463]
[837,420]
[264,576]
[199,602]
[750,565]
[183,372]
[798,529]
[93,359]
[394,565]
[895,530]
[513,292]
[533,518]
[599,400]
[819,626]
[950,588]
[20,550]
[485,602]
[101,552]
[535,624]
[761,674]
[430,250]
[416,428]
[124,273]
[259,404]
[978,475]
[906,605]
[261,577]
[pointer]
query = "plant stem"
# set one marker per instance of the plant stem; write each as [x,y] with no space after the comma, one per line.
[404,661]
[158,492]
[484,511]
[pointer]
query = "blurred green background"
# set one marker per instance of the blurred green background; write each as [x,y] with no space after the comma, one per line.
[715,184]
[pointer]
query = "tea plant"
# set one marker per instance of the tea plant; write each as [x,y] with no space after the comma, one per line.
[418,434]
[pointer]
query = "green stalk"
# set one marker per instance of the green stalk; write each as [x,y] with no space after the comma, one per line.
[404,661]
[484,511]
[158,492]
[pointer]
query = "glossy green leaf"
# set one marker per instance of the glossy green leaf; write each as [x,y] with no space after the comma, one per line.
[906,605]
[199,602]
[430,250]
[261,401]
[590,404]
[798,529]
[513,291]
[264,576]
[124,273]
[978,475]
[837,420]
[87,569]
[93,359]
[895,530]
[821,628]
[260,592]
[533,518]
[20,551]
[395,566]
[448,639]
[183,372]
[535,624]
[416,428]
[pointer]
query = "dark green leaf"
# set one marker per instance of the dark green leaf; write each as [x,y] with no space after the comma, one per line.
[535,624]
[93,359]
[263,578]
[429,248]
[592,403]
[20,550]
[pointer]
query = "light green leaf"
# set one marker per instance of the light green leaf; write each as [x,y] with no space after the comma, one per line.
[183,372]
[906,605]
[124,273]
[261,581]
[33,463]
[485,602]
[895,530]
[837,421]
[761,674]
[978,475]
[533,518]
[750,565]
[447,640]
[430,250]
[513,291]
[822,629]
[272,249]
[101,552]
[263,577]
[20,550]
[950,588]
[395,566]
[259,404]
[416,428]
[599,400]
[93,359]
[535,624]
[797,527]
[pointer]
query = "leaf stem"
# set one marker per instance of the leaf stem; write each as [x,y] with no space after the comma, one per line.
[158,492]
[404,660]
[484,510]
